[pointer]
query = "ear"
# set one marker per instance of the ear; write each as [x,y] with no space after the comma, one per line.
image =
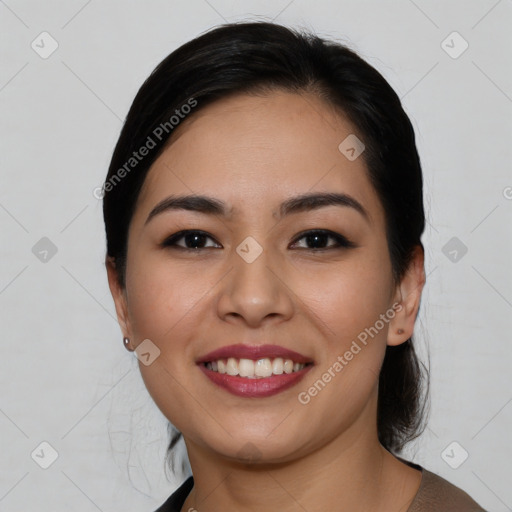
[407,297]
[119,296]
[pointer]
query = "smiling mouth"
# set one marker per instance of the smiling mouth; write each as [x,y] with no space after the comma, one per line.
[255,369]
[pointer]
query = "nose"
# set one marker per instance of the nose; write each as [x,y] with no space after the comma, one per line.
[255,292]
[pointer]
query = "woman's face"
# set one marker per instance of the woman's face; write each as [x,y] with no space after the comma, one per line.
[253,278]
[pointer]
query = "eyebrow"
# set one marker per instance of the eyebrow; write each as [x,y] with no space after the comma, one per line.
[301,203]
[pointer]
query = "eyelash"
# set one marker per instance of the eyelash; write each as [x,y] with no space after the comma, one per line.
[341,241]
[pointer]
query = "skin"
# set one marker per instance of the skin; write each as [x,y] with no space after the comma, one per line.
[253,152]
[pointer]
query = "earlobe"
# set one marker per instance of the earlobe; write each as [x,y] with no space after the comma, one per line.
[119,296]
[408,296]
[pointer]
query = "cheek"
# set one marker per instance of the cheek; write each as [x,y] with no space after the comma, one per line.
[347,305]
[160,297]
[350,298]
[163,305]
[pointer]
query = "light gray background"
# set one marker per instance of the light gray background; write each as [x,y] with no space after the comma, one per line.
[66,378]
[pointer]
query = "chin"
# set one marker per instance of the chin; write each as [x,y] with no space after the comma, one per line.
[258,449]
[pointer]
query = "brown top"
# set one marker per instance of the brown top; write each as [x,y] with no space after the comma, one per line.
[435,494]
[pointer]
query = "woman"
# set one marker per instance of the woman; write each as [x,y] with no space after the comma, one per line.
[263,213]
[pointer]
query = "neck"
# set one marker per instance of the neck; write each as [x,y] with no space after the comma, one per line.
[351,472]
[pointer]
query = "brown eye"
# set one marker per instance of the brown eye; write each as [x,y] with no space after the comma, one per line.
[318,238]
[192,240]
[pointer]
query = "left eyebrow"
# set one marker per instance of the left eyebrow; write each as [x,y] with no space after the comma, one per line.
[212,206]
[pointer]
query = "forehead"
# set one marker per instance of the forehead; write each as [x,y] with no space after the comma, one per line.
[249,150]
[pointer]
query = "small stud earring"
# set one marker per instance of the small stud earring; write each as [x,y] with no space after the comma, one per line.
[126,342]
[400,331]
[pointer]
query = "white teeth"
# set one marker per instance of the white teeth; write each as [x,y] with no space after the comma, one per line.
[254,369]
[232,366]
[246,368]
[263,368]
[277,366]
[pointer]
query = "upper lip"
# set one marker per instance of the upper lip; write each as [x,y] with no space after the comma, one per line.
[241,351]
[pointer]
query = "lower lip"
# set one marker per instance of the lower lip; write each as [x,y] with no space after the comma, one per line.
[255,388]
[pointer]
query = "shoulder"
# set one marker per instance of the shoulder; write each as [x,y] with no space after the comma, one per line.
[435,494]
[176,500]
[438,495]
